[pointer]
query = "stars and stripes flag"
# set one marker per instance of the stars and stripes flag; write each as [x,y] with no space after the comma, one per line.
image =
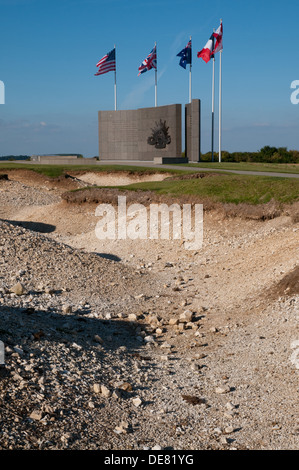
[219,39]
[185,55]
[107,63]
[150,62]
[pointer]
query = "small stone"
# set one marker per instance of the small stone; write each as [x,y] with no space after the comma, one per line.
[96,388]
[224,440]
[126,387]
[36,415]
[153,319]
[98,339]
[19,351]
[49,290]
[200,356]
[213,330]
[123,428]
[105,391]
[132,317]
[218,431]
[186,316]
[140,296]
[173,321]
[149,339]
[229,406]
[229,430]
[222,390]
[18,289]
[199,334]
[136,402]
[67,309]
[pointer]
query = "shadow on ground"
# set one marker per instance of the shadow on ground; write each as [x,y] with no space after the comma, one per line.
[108,256]
[34,226]
[32,326]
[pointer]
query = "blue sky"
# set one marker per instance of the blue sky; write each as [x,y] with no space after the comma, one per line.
[49,50]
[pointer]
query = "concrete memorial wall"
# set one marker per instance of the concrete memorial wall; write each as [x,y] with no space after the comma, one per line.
[140,134]
[149,134]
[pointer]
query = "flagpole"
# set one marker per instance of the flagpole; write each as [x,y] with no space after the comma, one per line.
[220,103]
[190,74]
[115,96]
[156,75]
[213,101]
[213,106]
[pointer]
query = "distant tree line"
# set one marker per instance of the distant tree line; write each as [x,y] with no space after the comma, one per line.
[266,155]
[15,157]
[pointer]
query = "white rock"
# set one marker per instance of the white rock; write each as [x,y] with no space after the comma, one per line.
[132,317]
[186,316]
[149,339]
[229,406]
[136,402]
[96,388]
[223,389]
[105,391]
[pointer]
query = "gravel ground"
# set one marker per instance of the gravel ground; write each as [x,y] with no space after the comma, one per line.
[132,345]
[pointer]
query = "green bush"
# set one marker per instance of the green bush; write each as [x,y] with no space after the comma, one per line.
[266,155]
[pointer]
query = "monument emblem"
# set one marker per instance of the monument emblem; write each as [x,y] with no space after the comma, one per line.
[160,137]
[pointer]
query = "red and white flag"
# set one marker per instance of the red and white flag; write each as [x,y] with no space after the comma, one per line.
[219,39]
[207,52]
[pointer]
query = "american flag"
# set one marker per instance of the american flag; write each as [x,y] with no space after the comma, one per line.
[150,62]
[107,63]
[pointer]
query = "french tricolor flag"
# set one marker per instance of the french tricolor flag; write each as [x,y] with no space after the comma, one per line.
[207,52]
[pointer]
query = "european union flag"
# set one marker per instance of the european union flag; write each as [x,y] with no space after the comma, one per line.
[186,55]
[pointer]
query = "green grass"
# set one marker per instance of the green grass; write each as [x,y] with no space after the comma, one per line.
[247,166]
[228,188]
[221,187]
[54,171]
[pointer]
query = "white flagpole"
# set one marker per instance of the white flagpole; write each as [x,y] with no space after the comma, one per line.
[213,102]
[220,98]
[115,98]
[190,74]
[156,75]
[213,107]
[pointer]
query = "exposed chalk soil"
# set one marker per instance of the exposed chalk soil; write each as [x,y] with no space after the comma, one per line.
[142,344]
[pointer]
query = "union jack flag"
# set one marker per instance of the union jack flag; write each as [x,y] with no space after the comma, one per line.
[150,62]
